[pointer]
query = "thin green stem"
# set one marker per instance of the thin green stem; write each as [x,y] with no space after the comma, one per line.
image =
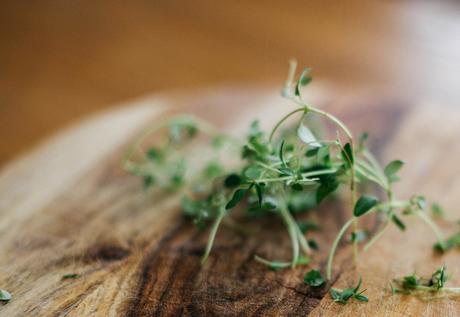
[432,225]
[291,226]
[334,246]
[375,164]
[377,236]
[272,264]
[212,234]
[305,176]
[282,120]
[347,132]
[370,173]
[303,242]
[333,119]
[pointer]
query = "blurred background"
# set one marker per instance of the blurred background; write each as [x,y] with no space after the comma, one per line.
[61,60]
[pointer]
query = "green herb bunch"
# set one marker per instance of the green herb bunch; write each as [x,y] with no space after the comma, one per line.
[287,171]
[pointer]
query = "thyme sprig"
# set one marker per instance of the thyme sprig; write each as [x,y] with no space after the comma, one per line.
[415,285]
[288,171]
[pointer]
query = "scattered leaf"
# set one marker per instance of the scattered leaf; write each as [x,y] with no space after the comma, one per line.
[364,204]
[313,278]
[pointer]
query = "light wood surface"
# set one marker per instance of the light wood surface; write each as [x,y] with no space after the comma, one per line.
[68,207]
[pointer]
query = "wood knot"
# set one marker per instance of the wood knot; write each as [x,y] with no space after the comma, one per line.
[106,253]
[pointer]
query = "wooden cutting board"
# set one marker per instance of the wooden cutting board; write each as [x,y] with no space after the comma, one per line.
[68,207]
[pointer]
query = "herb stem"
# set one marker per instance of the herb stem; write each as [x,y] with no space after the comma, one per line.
[378,235]
[332,118]
[212,234]
[334,246]
[291,226]
[371,174]
[376,165]
[282,120]
[303,242]
[305,176]
[432,225]
[272,264]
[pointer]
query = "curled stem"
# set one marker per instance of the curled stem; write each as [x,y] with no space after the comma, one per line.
[270,138]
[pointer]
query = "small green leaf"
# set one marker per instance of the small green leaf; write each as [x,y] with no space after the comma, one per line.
[437,210]
[358,236]
[232,181]
[312,152]
[260,190]
[358,285]
[438,278]
[238,195]
[213,170]
[313,244]
[306,136]
[154,154]
[335,294]
[347,294]
[448,244]
[363,205]
[268,205]
[362,139]
[286,171]
[304,80]
[303,260]
[306,226]
[281,154]
[218,141]
[398,222]
[297,187]
[313,278]
[252,172]
[420,201]
[361,298]
[148,180]
[347,154]
[328,185]
[71,276]
[5,296]
[410,281]
[392,168]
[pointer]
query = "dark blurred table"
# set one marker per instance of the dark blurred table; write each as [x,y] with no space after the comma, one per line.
[60,60]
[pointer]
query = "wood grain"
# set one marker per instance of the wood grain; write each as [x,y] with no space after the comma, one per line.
[68,207]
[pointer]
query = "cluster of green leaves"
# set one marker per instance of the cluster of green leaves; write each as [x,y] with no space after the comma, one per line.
[414,283]
[314,278]
[451,242]
[343,296]
[286,172]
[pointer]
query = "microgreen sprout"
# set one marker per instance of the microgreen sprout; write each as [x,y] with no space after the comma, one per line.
[414,284]
[314,278]
[288,171]
[343,296]
[451,242]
